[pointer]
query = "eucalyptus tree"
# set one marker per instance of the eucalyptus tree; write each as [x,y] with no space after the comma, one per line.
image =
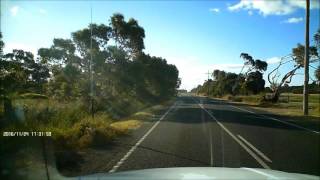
[20,73]
[296,58]
[254,81]
[1,44]
[119,66]
[317,74]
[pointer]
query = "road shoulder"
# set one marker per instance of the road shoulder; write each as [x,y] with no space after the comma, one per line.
[312,125]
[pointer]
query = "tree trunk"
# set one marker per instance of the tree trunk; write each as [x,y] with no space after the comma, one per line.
[275,96]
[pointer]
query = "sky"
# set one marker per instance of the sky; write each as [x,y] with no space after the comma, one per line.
[196,36]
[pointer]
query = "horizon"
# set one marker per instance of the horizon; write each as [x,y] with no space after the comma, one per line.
[194,36]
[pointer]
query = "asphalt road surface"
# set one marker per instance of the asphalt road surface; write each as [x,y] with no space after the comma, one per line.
[198,132]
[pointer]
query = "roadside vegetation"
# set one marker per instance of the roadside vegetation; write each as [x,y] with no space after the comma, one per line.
[72,133]
[87,90]
[289,104]
[85,82]
[280,98]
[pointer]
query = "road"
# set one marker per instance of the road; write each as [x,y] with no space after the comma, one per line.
[197,132]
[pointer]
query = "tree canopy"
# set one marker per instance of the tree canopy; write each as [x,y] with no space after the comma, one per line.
[112,54]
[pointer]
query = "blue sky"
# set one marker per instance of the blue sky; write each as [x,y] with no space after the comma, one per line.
[196,36]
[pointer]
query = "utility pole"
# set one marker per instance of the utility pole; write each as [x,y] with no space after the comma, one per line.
[91,69]
[210,127]
[306,60]
[208,89]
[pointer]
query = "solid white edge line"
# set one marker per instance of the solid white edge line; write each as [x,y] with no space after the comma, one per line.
[262,173]
[126,156]
[260,161]
[254,148]
[284,122]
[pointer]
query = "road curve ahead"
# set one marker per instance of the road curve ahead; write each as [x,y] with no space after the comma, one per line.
[201,132]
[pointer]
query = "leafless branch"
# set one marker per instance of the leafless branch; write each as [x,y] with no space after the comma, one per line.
[275,72]
[312,66]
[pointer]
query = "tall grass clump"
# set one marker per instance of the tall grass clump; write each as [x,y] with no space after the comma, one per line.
[87,132]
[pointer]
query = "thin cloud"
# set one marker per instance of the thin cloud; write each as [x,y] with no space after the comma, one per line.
[215,10]
[293,20]
[228,66]
[14,10]
[273,60]
[277,7]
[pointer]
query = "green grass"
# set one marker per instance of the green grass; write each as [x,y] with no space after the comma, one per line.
[73,130]
[313,98]
[33,96]
[86,132]
[72,126]
[36,114]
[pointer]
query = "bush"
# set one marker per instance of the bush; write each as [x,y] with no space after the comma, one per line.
[71,125]
[36,113]
[235,98]
[122,107]
[87,132]
[297,91]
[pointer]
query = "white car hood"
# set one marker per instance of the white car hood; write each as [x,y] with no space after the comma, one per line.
[202,173]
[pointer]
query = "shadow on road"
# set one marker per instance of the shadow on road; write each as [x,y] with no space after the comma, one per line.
[190,112]
[166,153]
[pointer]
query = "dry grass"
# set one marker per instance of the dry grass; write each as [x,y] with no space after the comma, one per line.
[288,105]
[125,126]
[291,110]
[71,126]
[87,132]
[142,115]
[101,130]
